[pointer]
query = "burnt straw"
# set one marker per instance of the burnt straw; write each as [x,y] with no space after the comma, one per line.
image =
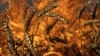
[10,37]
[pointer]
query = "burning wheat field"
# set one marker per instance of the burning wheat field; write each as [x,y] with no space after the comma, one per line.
[49,27]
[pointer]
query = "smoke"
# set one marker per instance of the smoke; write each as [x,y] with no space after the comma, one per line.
[4,6]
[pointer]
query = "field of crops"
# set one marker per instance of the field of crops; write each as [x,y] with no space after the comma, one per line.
[49,27]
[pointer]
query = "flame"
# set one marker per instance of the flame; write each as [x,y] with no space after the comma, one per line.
[66,8]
